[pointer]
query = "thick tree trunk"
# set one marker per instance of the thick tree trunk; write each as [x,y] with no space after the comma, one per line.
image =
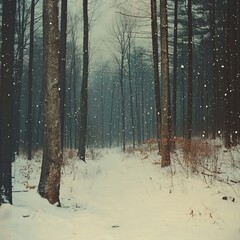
[49,185]
[84,89]
[6,100]
[165,84]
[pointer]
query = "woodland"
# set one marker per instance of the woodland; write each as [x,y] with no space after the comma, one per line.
[78,77]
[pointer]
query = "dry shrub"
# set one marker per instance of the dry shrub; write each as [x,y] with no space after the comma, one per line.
[198,154]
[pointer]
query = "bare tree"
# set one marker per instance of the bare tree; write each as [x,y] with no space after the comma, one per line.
[49,185]
[62,62]
[156,67]
[174,88]
[190,74]
[30,80]
[122,32]
[165,150]
[84,89]
[6,100]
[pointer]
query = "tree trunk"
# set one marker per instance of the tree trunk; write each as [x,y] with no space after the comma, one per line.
[30,80]
[84,89]
[234,72]
[189,77]
[122,104]
[49,185]
[131,92]
[174,92]
[6,100]
[227,80]
[214,65]
[19,72]
[155,67]
[165,84]
[63,37]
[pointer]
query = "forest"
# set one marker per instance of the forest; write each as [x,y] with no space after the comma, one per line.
[89,80]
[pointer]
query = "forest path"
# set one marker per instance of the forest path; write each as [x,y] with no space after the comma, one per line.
[120,196]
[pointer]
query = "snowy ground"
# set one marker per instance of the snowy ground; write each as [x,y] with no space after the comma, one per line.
[126,196]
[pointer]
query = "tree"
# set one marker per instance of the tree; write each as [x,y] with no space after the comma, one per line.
[6,100]
[155,67]
[165,149]
[49,184]
[84,88]
[122,32]
[62,62]
[174,88]
[190,75]
[214,65]
[30,79]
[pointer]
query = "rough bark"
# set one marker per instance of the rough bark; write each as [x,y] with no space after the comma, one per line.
[49,185]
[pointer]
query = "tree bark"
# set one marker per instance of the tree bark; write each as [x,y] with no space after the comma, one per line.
[190,75]
[6,100]
[227,80]
[174,93]
[165,84]
[214,65]
[63,37]
[155,67]
[84,89]
[30,81]
[49,185]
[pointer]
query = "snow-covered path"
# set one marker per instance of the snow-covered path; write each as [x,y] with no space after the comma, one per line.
[121,197]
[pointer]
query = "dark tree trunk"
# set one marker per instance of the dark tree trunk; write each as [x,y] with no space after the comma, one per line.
[49,185]
[188,131]
[234,72]
[165,84]
[19,72]
[30,81]
[174,93]
[214,65]
[122,104]
[62,62]
[155,67]
[84,89]
[227,80]
[6,100]
[131,92]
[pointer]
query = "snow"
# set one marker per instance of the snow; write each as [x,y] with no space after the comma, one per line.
[125,196]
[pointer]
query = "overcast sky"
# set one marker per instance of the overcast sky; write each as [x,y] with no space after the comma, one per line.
[104,16]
